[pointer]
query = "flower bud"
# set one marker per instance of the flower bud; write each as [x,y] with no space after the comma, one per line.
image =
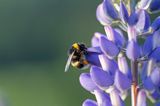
[144,4]
[155,54]
[154,6]
[108,47]
[109,9]
[93,59]
[148,84]
[95,39]
[102,17]
[123,12]
[86,82]
[115,98]
[107,64]
[156,24]
[89,102]
[122,82]
[132,34]
[148,45]
[155,76]
[141,98]
[156,39]
[102,98]
[133,19]
[123,65]
[100,77]
[133,50]
[115,36]
[143,21]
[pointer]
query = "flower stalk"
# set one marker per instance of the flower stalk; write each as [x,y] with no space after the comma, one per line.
[134,90]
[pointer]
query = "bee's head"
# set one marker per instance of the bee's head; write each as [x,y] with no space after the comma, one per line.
[73,48]
[77,47]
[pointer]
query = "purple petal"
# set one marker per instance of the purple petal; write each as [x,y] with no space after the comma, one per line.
[157,104]
[122,82]
[147,69]
[114,35]
[133,19]
[102,98]
[107,64]
[155,95]
[115,98]
[156,39]
[155,76]
[132,35]
[144,71]
[155,5]
[95,39]
[144,4]
[93,59]
[109,9]
[141,98]
[155,54]
[122,64]
[102,17]
[120,39]
[86,82]
[133,50]
[94,50]
[110,33]
[123,12]
[148,84]
[100,77]
[108,47]
[156,24]
[143,21]
[89,102]
[148,45]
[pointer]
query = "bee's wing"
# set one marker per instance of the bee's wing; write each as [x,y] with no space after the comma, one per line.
[68,62]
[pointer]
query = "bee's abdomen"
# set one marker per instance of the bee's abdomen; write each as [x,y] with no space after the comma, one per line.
[77,64]
[80,64]
[76,58]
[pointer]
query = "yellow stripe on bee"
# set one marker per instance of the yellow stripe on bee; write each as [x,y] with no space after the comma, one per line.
[75,64]
[76,46]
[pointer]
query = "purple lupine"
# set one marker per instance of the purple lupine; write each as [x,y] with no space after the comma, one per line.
[117,59]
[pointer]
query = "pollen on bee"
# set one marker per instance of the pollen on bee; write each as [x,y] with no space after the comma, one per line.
[75,45]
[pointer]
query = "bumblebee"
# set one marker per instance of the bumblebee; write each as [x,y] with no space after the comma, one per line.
[76,57]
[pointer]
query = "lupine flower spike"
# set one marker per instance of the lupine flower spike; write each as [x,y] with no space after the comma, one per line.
[125,61]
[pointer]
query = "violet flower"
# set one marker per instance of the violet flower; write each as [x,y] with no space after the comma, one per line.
[117,58]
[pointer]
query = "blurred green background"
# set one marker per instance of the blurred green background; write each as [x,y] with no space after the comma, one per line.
[34,38]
